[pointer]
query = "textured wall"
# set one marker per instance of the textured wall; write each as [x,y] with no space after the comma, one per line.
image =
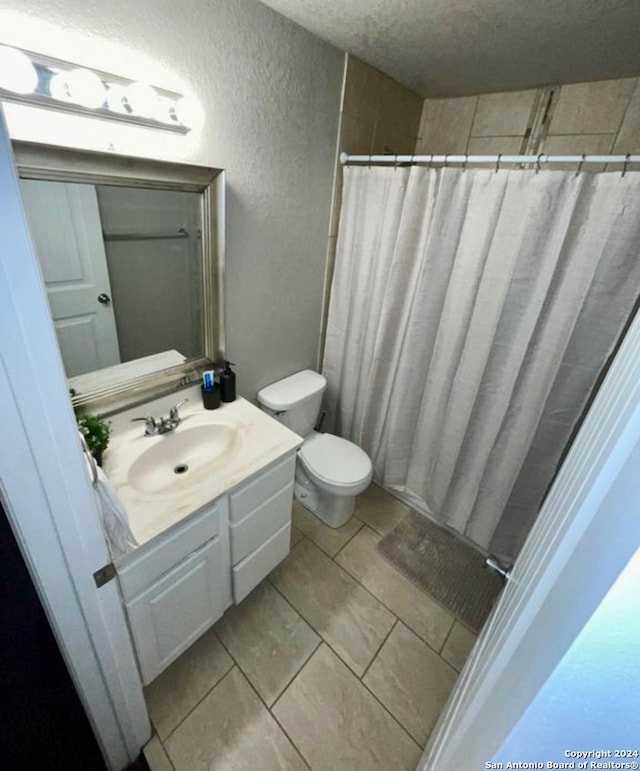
[271,95]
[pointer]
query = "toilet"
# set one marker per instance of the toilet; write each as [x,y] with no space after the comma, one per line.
[330,471]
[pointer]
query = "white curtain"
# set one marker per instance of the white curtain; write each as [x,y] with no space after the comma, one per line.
[470,315]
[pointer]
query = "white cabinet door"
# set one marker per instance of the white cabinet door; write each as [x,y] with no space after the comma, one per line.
[169,616]
[64,221]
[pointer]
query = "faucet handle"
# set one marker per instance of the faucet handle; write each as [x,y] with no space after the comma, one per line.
[150,423]
[173,412]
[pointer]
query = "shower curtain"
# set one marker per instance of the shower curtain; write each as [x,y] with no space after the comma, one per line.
[471,312]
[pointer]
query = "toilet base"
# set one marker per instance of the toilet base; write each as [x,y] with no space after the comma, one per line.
[333,510]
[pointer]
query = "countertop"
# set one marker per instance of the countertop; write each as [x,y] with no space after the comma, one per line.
[261,440]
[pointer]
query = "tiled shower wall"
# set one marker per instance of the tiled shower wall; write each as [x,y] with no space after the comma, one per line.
[600,118]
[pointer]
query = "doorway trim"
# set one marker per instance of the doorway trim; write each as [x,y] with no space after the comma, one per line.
[48,497]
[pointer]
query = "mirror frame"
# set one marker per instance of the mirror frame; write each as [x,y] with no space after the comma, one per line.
[63,164]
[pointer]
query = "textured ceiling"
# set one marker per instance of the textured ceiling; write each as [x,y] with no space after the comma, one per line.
[457,47]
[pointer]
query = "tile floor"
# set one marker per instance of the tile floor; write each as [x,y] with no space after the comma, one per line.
[335,662]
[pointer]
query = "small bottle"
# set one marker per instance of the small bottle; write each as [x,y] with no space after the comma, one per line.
[228,383]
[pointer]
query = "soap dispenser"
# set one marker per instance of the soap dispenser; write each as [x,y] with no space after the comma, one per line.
[228,383]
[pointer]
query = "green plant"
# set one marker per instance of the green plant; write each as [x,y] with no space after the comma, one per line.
[96,433]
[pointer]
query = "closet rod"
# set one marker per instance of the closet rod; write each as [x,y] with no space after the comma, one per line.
[347,159]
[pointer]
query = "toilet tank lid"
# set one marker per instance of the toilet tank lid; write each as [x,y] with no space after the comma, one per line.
[292,390]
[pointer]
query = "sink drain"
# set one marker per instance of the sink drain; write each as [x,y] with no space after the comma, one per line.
[181,468]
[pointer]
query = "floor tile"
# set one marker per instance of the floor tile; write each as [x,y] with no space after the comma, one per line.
[410,604]
[268,640]
[156,757]
[329,539]
[348,618]
[231,729]
[411,680]
[337,724]
[174,693]
[296,536]
[379,510]
[458,646]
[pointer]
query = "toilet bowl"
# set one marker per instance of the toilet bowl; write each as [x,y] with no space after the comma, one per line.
[330,471]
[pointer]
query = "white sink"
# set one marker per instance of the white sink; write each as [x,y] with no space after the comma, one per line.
[183,458]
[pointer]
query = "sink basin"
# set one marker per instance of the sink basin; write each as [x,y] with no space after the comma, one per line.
[183,458]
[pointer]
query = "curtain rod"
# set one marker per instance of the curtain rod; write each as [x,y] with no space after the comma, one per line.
[347,159]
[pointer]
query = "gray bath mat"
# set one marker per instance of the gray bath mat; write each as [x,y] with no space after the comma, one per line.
[445,567]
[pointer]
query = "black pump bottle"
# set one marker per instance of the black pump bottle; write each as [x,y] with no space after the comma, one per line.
[228,383]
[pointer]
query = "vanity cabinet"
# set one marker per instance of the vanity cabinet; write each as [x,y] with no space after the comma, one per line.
[179,584]
[176,587]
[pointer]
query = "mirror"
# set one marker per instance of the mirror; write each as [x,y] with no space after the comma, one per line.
[130,251]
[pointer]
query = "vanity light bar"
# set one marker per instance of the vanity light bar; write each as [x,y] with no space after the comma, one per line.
[42,81]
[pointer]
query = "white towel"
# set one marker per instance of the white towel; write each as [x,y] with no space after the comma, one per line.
[115,522]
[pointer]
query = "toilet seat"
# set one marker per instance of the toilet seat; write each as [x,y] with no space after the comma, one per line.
[334,461]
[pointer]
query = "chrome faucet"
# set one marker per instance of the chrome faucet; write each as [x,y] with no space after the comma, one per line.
[154,426]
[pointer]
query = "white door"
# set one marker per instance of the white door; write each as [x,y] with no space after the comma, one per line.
[587,532]
[64,221]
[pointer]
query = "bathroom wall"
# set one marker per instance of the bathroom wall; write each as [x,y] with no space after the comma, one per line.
[377,115]
[270,94]
[601,117]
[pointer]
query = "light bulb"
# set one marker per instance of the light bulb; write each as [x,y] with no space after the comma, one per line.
[59,87]
[117,98]
[143,100]
[166,113]
[86,88]
[17,74]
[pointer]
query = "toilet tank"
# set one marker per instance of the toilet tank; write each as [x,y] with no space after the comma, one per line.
[295,401]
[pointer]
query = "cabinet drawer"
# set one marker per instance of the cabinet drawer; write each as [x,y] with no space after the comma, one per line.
[171,615]
[248,497]
[148,564]
[248,573]
[262,523]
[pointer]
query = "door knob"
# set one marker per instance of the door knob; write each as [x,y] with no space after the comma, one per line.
[104,299]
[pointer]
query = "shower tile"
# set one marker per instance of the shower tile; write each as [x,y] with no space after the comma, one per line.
[445,125]
[356,136]
[337,724]
[494,146]
[458,646]
[418,611]
[591,108]
[329,539]
[576,144]
[628,140]
[362,90]
[232,729]
[411,680]
[379,510]
[505,114]
[268,640]
[172,695]
[346,616]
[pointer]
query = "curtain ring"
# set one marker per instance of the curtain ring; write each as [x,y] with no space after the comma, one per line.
[579,169]
[395,164]
[446,156]
[538,162]
[498,162]
[464,163]
[625,164]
